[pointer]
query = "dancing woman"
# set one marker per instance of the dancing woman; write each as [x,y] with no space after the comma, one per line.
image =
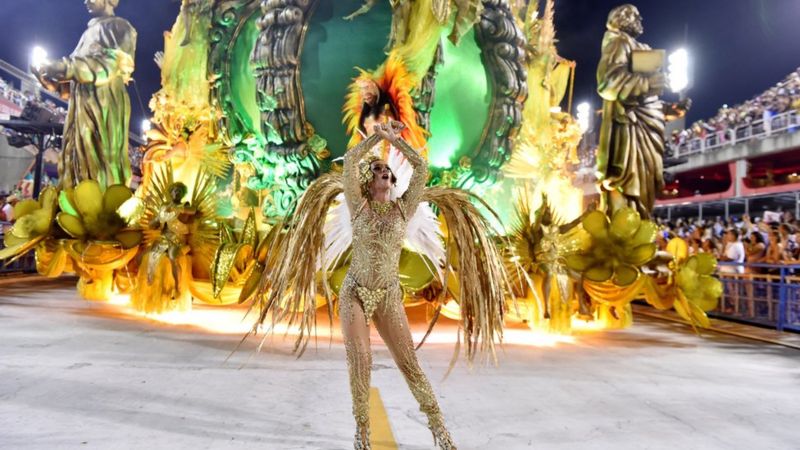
[376,224]
[371,290]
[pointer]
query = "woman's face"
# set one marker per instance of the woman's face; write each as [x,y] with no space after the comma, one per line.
[381,175]
[369,92]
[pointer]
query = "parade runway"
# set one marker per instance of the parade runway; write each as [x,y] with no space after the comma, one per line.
[81,375]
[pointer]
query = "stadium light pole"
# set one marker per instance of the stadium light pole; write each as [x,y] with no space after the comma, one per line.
[38,57]
[678,70]
[584,116]
[146,126]
[679,80]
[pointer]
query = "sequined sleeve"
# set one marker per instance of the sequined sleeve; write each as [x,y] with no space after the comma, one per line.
[352,184]
[416,186]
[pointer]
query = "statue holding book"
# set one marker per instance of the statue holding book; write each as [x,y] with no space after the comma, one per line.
[94,79]
[629,156]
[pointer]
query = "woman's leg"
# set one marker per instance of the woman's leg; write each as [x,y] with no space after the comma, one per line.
[359,358]
[392,324]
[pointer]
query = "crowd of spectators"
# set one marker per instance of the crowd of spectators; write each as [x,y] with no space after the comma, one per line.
[783,97]
[14,96]
[7,203]
[770,240]
[24,188]
[755,257]
[21,99]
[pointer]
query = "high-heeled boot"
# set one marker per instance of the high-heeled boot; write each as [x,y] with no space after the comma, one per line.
[361,439]
[441,437]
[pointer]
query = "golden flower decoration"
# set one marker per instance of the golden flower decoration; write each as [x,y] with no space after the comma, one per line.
[88,213]
[365,170]
[612,249]
[699,290]
[33,224]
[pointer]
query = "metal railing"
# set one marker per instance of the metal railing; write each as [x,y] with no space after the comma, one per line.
[765,294]
[783,123]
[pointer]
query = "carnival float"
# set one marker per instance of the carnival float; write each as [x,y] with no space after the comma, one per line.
[260,98]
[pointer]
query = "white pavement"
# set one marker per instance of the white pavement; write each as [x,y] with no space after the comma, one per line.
[80,375]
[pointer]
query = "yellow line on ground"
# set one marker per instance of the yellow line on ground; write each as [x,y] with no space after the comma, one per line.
[382,437]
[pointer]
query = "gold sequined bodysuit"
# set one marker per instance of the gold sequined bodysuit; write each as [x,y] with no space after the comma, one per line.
[378,234]
[371,290]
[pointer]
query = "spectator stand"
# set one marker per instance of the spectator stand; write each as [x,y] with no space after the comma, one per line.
[18,88]
[787,122]
[773,112]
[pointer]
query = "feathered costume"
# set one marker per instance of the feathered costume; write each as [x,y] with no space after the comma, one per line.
[394,80]
[179,237]
[334,215]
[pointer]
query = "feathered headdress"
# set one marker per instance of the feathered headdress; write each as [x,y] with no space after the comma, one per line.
[394,80]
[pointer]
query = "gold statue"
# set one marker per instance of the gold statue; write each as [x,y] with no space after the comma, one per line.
[93,78]
[629,156]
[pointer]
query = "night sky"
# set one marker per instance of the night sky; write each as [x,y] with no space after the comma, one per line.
[739,47]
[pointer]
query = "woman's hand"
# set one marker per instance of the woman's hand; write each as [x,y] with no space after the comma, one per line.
[397,126]
[389,131]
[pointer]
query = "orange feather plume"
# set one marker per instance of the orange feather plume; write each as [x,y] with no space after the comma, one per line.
[394,79]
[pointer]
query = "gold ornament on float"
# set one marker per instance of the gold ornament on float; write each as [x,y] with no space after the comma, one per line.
[613,249]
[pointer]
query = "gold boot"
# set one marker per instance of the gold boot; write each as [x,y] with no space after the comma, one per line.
[361,440]
[441,437]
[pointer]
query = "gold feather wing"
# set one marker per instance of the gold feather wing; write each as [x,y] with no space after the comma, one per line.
[288,290]
[475,257]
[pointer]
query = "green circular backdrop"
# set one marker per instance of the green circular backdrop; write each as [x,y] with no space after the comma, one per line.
[333,48]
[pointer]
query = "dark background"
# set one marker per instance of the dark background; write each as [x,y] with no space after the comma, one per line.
[739,48]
